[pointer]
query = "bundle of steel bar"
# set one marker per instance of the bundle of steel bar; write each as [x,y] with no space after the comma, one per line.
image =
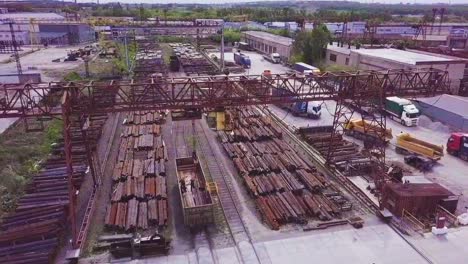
[30,234]
[139,130]
[138,199]
[145,117]
[142,188]
[286,187]
[347,157]
[131,215]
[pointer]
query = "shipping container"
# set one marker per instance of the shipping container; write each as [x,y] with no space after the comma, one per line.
[197,203]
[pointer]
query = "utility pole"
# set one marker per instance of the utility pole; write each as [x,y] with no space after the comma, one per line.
[15,49]
[222,46]
[126,51]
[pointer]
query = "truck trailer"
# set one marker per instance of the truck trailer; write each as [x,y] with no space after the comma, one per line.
[361,129]
[457,145]
[242,60]
[305,68]
[419,154]
[307,109]
[403,110]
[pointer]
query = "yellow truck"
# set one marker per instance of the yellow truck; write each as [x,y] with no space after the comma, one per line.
[361,129]
[407,144]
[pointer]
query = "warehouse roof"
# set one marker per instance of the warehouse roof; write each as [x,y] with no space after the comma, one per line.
[419,189]
[404,56]
[343,50]
[29,15]
[270,37]
[451,103]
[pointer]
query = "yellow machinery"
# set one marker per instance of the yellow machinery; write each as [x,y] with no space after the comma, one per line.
[407,144]
[360,129]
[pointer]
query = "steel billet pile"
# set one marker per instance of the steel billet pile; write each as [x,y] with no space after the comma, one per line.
[139,197]
[32,233]
[286,188]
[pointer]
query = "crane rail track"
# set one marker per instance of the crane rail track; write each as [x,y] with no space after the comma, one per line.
[184,132]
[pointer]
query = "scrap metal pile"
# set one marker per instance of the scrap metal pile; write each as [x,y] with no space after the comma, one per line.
[139,197]
[286,188]
[32,233]
[347,156]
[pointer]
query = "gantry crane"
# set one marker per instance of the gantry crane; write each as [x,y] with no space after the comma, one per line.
[362,88]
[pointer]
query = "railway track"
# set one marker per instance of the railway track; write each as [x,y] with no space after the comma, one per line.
[227,198]
[207,240]
[358,194]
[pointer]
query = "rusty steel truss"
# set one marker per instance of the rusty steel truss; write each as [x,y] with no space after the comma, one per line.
[362,88]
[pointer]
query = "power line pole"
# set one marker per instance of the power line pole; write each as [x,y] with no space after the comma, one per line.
[126,51]
[222,46]
[15,49]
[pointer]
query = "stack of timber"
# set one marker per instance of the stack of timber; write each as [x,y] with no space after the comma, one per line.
[347,156]
[139,197]
[32,232]
[287,189]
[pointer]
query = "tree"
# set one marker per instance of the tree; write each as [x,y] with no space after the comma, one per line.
[312,44]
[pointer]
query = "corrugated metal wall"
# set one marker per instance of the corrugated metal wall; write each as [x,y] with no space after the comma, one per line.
[446,117]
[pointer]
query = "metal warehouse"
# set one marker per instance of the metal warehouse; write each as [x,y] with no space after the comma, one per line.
[449,109]
[66,33]
[269,43]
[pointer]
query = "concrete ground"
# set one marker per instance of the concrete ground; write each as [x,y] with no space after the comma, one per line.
[258,63]
[375,243]
[41,61]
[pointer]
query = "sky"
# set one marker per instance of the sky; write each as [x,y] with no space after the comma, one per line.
[238,1]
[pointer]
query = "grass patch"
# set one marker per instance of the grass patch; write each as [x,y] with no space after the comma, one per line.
[20,154]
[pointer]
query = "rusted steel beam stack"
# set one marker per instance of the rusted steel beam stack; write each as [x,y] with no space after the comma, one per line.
[347,156]
[31,233]
[287,188]
[139,197]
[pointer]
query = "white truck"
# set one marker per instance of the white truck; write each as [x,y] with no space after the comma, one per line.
[273,58]
[403,110]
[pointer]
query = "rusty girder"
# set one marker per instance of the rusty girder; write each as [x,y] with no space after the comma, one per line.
[33,99]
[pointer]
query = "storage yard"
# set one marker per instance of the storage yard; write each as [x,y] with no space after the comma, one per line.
[181,160]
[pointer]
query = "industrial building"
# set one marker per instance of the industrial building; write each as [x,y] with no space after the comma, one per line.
[49,28]
[269,43]
[27,17]
[454,35]
[417,198]
[449,109]
[65,33]
[384,59]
